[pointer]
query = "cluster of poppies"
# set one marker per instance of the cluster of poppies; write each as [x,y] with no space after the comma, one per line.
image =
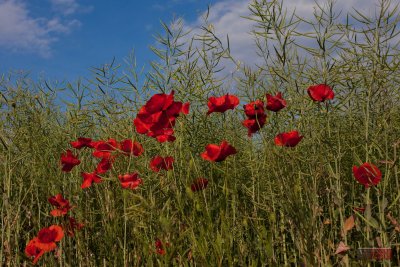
[255,114]
[106,152]
[157,119]
[47,237]
[255,111]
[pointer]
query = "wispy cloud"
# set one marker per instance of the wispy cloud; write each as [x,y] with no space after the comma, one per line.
[227,18]
[69,7]
[21,32]
[55,25]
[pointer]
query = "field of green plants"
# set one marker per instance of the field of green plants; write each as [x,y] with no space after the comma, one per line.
[293,161]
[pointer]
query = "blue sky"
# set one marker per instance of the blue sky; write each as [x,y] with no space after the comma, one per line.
[61,39]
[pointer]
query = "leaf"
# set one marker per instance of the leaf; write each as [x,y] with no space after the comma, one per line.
[373,223]
[384,203]
[348,224]
[269,245]
[342,248]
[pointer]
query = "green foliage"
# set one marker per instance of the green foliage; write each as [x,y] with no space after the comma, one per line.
[265,206]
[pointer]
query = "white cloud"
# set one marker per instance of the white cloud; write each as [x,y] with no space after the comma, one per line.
[227,18]
[69,7]
[55,25]
[21,32]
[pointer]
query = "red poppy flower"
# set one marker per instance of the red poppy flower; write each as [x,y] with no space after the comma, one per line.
[199,184]
[253,109]
[155,124]
[73,225]
[157,117]
[32,250]
[289,139]
[103,149]
[82,142]
[367,174]
[161,102]
[165,138]
[218,153]
[89,178]
[62,205]
[320,92]
[222,103]
[254,124]
[130,181]
[164,135]
[157,163]
[68,161]
[47,237]
[131,148]
[159,127]
[256,117]
[159,247]
[185,108]
[275,103]
[104,165]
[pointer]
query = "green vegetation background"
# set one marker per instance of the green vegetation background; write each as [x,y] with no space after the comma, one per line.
[265,206]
